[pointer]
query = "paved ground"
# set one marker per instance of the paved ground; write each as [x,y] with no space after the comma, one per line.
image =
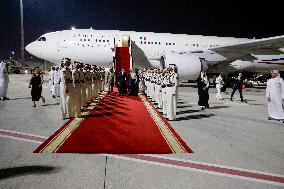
[231,134]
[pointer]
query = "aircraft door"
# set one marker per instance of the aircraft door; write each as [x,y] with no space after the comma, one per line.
[125,41]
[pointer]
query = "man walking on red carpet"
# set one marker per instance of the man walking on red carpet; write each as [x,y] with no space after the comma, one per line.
[122,82]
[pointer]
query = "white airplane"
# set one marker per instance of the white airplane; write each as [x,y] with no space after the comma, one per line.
[190,53]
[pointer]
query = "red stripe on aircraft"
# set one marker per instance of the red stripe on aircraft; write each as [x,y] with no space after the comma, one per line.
[276,63]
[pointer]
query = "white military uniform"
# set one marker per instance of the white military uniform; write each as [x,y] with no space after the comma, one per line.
[275,91]
[65,101]
[219,84]
[164,94]
[88,87]
[4,80]
[56,76]
[83,87]
[50,80]
[77,92]
[171,98]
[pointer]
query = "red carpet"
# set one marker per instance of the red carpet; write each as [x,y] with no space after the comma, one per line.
[117,125]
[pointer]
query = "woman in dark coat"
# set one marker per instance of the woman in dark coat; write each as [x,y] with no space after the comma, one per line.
[36,85]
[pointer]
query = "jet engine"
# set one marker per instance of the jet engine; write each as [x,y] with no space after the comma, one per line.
[188,65]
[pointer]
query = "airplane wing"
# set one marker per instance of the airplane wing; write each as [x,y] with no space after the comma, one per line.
[244,51]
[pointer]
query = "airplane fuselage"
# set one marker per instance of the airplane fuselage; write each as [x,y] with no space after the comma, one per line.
[96,47]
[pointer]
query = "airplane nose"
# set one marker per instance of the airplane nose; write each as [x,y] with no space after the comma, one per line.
[31,48]
[28,48]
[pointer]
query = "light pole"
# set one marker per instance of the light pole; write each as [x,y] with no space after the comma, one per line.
[22,32]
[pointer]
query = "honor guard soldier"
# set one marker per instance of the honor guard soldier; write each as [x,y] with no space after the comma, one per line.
[164,91]
[56,76]
[83,85]
[103,73]
[93,81]
[50,76]
[65,87]
[77,93]
[96,82]
[88,85]
[171,92]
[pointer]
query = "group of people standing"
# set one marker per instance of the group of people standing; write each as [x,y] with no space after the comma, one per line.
[161,87]
[203,88]
[54,81]
[128,82]
[79,84]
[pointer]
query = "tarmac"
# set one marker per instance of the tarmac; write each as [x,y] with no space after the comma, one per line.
[234,146]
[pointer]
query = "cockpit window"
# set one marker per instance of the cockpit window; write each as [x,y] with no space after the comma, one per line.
[42,39]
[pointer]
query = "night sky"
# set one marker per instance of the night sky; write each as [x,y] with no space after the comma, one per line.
[195,17]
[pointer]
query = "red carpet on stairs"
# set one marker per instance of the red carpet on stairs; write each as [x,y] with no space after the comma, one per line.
[117,125]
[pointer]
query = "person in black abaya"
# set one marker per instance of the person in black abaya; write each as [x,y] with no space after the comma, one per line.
[36,85]
[203,87]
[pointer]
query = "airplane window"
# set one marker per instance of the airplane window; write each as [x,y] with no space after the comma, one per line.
[96,40]
[83,45]
[156,43]
[84,39]
[173,43]
[80,39]
[91,35]
[159,43]
[88,39]
[88,45]
[170,43]
[166,43]
[148,42]
[145,42]
[152,43]
[141,42]
[100,40]
[103,40]
[78,34]
[107,40]
[140,37]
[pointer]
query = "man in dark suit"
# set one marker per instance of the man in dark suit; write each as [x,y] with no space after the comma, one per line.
[238,85]
[121,82]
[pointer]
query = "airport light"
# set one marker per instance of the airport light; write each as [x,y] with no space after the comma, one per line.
[73,28]
[22,32]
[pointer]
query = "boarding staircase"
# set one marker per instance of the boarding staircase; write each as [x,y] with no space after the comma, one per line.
[122,59]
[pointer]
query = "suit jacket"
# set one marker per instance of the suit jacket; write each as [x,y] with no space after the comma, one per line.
[121,78]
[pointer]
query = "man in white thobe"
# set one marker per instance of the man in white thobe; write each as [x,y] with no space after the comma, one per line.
[275,96]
